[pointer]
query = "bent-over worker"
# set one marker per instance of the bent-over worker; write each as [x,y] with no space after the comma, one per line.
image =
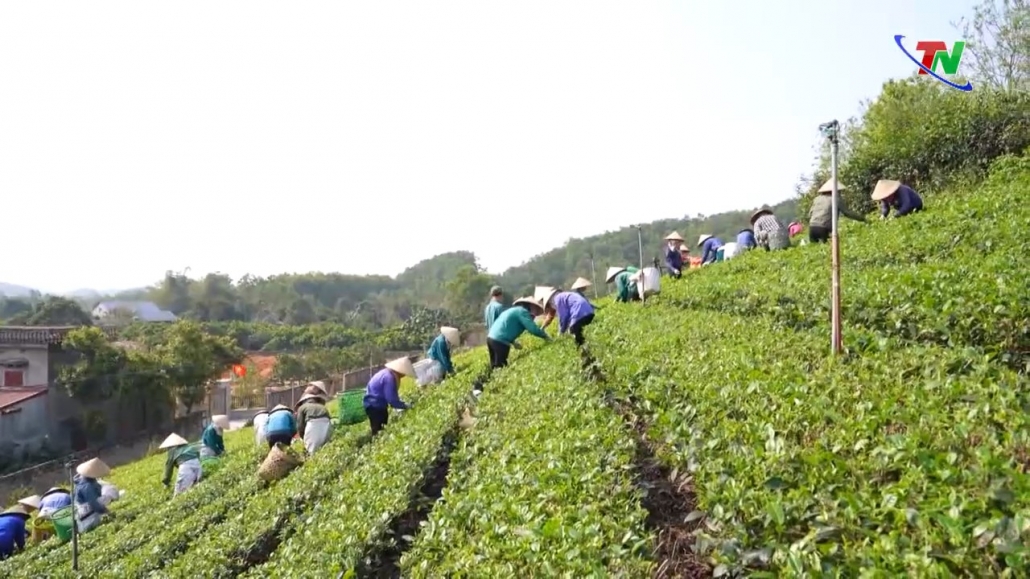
[440,349]
[183,455]
[260,422]
[770,232]
[574,313]
[55,499]
[580,285]
[746,240]
[509,326]
[709,246]
[673,257]
[212,442]
[625,279]
[313,422]
[820,218]
[495,307]
[383,391]
[12,531]
[281,427]
[895,194]
[90,503]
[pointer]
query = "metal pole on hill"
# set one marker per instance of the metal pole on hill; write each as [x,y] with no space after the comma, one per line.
[830,130]
[75,521]
[640,243]
[593,275]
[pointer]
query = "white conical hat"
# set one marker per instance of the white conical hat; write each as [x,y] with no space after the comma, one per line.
[547,298]
[701,240]
[674,236]
[31,502]
[307,397]
[581,283]
[317,384]
[884,189]
[534,303]
[172,441]
[221,421]
[452,335]
[402,366]
[541,293]
[17,510]
[93,468]
[759,213]
[280,407]
[612,272]
[828,186]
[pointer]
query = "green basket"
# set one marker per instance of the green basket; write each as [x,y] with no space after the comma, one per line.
[352,407]
[63,520]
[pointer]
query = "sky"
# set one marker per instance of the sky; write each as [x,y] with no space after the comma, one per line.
[362,137]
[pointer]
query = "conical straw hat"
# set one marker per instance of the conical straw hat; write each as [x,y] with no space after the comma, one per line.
[30,502]
[221,421]
[547,298]
[307,397]
[280,407]
[674,236]
[612,272]
[17,510]
[759,213]
[402,366]
[581,283]
[316,387]
[541,292]
[702,239]
[884,189]
[534,305]
[172,441]
[93,468]
[828,186]
[452,335]
[53,490]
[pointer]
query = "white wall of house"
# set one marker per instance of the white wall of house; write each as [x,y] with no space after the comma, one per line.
[36,373]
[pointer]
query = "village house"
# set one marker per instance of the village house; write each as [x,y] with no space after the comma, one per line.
[32,408]
[138,311]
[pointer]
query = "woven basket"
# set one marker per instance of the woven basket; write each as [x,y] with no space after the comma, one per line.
[280,461]
[352,407]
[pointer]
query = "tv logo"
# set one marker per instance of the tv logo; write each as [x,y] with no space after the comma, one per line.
[935,54]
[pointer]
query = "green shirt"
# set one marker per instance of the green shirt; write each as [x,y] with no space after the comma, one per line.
[624,288]
[512,322]
[176,456]
[309,411]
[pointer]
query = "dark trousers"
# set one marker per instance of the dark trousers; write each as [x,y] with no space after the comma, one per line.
[818,234]
[283,437]
[576,329]
[377,418]
[498,353]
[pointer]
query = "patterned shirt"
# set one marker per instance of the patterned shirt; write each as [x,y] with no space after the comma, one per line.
[770,232]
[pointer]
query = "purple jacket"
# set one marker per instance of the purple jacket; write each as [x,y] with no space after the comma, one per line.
[673,260]
[571,308]
[382,391]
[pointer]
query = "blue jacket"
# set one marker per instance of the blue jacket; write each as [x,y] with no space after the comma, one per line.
[12,533]
[87,492]
[905,200]
[440,351]
[281,422]
[493,310]
[55,500]
[673,260]
[746,239]
[381,391]
[213,439]
[511,323]
[710,249]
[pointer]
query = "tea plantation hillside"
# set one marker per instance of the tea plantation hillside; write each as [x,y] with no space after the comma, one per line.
[705,432]
[909,454]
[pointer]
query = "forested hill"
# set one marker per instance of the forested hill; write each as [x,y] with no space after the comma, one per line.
[564,264]
[452,281]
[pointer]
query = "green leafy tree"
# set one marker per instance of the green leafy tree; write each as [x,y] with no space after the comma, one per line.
[98,373]
[192,357]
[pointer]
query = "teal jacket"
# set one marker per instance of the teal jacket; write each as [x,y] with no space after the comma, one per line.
[440,351]
[213,440]
[493,311]
[511,323]
[624,288]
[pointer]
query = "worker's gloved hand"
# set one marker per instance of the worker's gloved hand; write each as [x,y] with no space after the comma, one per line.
[517,346]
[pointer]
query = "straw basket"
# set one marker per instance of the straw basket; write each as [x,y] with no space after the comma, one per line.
[280,461]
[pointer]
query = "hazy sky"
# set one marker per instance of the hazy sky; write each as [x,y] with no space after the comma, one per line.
[362,137]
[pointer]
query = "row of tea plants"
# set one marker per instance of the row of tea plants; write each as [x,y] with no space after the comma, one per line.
[541,485]
[907,458]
